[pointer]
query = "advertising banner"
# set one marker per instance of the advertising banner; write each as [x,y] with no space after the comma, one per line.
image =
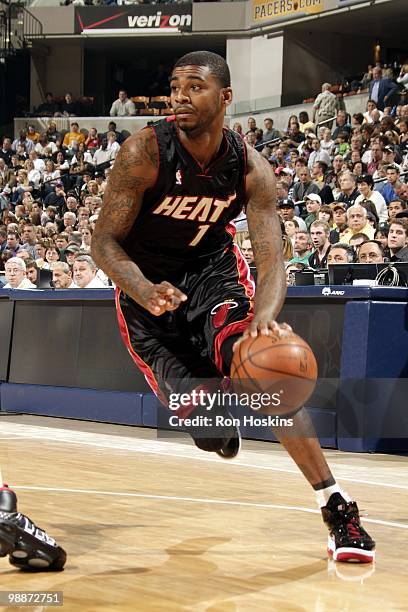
[156,18]
[264,11]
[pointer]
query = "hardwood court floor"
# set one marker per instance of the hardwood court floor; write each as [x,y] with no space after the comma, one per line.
[157,525]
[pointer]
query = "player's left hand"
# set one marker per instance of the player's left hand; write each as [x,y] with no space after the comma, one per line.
[263,328]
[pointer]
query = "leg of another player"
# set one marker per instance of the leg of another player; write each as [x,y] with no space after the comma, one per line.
[28,546]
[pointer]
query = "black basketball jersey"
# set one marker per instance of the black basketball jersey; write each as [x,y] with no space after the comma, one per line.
[186,215]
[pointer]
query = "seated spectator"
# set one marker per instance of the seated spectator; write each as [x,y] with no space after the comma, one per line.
[305,124]
[62,276]
[291,226]
[32,271]
[52,133]
[103,156]
[342,146]
[252,127]
[294,135]
[44,146]
[112,128]
[6,151]
[397,240]
[291,268]
[16,275]
[237,127]
[318,154]
[13,242]
[319,233]
[370,107]
[33,175]
[365,185]
[84,273]
[286,210]
[71,253]
[47,108]
[51,256]
[302,247]
[250,139]
[29,239]
[57,197]
[341,125]
[326,142]
[370,251]
[395,207]
[123,106]
[388,191]
[86,238]
[305,186]
[113,145]
[341,253]
[22,140]
[32,134]
[358,239]
[313,204]
[269,133]
[69,108]
[349,192]
[73,138]
[357,222]
[247,251]
[92,140]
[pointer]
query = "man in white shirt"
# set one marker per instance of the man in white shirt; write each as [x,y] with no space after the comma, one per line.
[318,154]
[62,276]
[16,274]
[85,270]
[122,107]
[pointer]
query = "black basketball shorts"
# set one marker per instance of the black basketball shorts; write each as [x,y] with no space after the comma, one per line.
[180,350]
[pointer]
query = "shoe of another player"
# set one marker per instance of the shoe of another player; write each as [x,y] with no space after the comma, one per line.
[223,438]
[28,546]
[348,540]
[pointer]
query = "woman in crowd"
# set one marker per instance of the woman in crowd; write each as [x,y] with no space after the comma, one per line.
[92,140]
[51,255]
[86,238]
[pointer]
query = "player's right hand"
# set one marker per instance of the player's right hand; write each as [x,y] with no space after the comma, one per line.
[162,297]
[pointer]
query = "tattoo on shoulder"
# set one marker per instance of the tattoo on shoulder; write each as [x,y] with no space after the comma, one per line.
[140,152]
[261,180]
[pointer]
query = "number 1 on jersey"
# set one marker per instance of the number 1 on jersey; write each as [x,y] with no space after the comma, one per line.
[201,231]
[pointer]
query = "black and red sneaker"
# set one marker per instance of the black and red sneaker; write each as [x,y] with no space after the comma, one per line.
[28,546]
[216,431]
[348,540]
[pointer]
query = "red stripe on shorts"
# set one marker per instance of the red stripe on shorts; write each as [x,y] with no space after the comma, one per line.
[142,365]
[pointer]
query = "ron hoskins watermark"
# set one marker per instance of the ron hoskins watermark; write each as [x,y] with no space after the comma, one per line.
[207,400]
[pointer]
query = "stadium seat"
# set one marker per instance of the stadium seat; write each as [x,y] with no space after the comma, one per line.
[159,102]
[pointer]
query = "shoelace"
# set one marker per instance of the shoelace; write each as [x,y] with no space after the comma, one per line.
[29,527]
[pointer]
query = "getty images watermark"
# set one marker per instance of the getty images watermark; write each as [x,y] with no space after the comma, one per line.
[204,399]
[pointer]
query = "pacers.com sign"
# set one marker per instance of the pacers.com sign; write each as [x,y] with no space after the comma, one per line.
[94,20]
[281,10]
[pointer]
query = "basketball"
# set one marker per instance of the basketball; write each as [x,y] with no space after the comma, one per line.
[275,365]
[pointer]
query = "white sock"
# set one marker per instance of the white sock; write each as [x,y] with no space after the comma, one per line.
[323,495]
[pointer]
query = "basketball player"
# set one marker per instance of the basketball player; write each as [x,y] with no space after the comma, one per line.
[164,236]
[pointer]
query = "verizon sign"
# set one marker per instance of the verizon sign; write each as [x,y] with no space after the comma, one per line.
[99,20]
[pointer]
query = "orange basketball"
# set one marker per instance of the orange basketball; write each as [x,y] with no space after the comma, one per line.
[278,366]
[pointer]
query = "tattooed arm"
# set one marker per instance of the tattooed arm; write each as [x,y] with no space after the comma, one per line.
[135,170]
[265,234]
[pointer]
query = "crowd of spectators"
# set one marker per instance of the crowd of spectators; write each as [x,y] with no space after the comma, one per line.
[341,181]
[51,191]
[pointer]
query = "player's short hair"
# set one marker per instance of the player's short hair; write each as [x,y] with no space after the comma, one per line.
[217,64]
